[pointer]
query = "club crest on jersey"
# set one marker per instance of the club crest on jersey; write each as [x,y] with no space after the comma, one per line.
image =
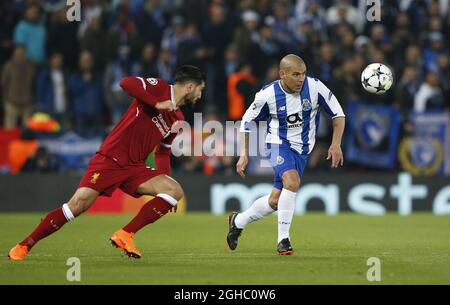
[280,160]
[152,81]
[95,177]
[306,105]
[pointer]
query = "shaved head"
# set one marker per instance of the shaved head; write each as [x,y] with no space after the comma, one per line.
[289,61]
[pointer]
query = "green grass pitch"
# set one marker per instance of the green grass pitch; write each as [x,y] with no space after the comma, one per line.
[191,249]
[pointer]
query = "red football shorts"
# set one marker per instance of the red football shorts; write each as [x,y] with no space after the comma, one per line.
[104,175]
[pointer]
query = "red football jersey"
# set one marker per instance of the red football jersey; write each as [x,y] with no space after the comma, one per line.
[143,127]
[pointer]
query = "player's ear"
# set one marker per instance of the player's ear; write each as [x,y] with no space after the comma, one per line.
[189,87]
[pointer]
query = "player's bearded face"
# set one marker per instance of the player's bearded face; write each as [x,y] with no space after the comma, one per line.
[190,99]
[194,95]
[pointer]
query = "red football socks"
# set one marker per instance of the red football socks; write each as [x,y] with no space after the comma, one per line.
[53,221]
[49,225]
[149,213]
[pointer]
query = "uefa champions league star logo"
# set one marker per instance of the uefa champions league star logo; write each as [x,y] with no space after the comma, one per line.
[306,105]
[152,81]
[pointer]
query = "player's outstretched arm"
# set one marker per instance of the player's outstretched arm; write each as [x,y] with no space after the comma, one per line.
[243,159]
[335,151]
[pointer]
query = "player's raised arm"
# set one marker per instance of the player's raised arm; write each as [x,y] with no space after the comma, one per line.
[146,92]
[257,111]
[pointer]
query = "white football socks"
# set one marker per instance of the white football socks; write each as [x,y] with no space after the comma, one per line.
[256,211]
[286,207]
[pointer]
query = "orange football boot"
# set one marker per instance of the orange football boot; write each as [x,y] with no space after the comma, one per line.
[18,253]
[124,240]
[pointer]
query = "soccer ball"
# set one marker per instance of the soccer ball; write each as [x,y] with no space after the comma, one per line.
[377,78]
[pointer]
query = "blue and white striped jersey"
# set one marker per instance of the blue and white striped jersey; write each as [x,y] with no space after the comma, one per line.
[292,119]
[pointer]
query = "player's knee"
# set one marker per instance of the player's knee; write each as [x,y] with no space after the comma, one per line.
[179,193]
[83,204]
[292,184]
[80,203]
[175,190]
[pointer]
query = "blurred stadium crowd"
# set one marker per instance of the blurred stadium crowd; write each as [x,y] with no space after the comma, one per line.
[71,70]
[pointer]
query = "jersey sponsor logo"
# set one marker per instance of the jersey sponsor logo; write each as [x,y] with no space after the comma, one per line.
[161,119]
[282,108]
[95,177]
[158,125]
[161,124]
[294,120]
[152,81]
[306,105]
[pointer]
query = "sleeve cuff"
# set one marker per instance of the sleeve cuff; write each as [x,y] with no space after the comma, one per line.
[338,116]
